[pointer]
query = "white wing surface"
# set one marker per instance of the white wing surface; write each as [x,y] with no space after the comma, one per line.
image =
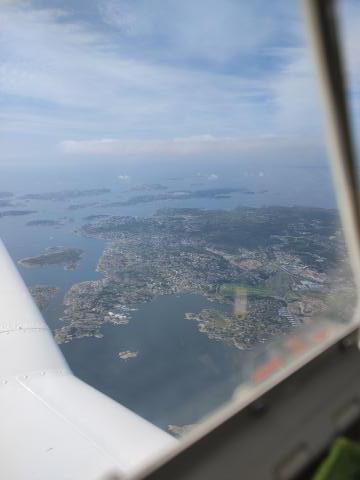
[53,425]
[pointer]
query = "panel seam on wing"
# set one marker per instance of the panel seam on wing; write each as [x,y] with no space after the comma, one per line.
[21,329]
[69,422]
[8,380]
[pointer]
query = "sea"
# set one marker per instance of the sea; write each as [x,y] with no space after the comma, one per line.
[179,375]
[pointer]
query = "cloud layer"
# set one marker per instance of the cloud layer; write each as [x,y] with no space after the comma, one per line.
[198,145]
[148,78]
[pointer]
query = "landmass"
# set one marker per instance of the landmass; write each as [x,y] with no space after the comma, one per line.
[90,218]
[68,257]
[179,194]
[79,206]
[66,194]
[6,194]
[43,294]
[127,354]
[271,268]
[45,223]
[16,213]
[6,203]
[242,328]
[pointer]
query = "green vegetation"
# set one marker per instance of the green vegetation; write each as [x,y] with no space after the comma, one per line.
[343,462]
[233,290]
[278,285]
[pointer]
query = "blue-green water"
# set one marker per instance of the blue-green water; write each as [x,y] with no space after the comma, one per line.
[178,375]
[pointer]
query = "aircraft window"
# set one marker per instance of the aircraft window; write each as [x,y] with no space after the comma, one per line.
[349,13]
[166,194]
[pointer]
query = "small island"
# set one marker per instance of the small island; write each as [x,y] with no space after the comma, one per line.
[217,193]
[66,194]
[4,202]
[16,213]
[80,206]
[90,218]
[44,223]
[127,354]
[68,257]
[43,294]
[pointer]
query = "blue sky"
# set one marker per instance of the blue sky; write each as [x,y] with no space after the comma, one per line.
[144,78]
[349,15]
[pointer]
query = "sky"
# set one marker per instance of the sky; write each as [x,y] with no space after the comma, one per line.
[349,16]
[138,79]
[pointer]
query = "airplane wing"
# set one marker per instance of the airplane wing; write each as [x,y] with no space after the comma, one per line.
[52,424]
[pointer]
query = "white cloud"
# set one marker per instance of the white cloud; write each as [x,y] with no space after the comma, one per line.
[206,29]
[124,178]
[66,79]
[187,146]
[54,71]
[197,145]
[213,177]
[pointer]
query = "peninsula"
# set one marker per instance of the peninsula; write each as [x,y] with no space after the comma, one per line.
[271,268]
[43,294]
